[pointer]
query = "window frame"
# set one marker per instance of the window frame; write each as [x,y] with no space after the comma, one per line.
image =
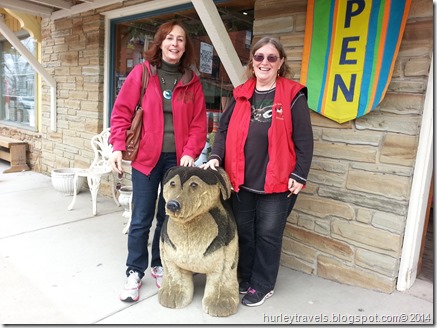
[30,113]
[230,62]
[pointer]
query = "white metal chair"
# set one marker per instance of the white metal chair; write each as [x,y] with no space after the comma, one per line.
[99,167]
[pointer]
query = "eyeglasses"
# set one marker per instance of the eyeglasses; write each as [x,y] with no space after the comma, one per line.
[270,58]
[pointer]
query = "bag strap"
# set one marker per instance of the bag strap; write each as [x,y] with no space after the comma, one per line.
[145,78]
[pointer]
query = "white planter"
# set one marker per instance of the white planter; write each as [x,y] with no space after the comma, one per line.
[125,200]
[62,180]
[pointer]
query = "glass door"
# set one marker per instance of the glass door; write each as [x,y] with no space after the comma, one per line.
[130,37]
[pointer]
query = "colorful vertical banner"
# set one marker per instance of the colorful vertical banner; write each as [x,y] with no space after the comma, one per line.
[349,54]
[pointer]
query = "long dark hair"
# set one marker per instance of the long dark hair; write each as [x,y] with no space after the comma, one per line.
[154,53]
[283,71]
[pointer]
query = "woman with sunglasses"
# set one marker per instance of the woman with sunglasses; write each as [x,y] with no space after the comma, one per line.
[174,133]
[265,144]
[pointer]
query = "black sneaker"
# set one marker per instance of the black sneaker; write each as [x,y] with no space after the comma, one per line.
[255,298]
[243,287]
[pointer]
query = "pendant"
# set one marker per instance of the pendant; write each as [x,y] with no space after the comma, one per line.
[167,94]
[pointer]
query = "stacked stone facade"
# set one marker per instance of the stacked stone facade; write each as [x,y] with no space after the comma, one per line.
[72,52]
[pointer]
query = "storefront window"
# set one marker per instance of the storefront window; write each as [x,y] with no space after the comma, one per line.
[131,35]
[17,104]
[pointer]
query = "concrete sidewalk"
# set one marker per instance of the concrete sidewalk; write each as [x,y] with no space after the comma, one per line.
[67,267]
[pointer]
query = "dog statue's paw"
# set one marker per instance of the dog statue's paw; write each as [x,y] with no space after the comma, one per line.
[224,306]
[174,298]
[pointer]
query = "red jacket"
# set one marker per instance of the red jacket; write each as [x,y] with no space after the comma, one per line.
[189,117]
[282,155]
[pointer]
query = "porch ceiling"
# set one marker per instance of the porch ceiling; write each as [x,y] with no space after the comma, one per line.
[54,8]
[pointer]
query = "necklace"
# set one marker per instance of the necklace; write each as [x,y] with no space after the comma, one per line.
[261,97]
[270,88]
[264,93]
[168,93]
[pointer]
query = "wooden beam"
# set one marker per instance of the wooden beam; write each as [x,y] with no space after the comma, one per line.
[83,7]
[219,36]
[62,4]
[27,7]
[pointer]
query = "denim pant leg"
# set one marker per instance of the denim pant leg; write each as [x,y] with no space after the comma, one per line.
[243,205]
[168,161]
[145,192]
[267,227]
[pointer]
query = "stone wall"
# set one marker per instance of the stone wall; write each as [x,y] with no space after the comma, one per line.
[348,224]
[72,52]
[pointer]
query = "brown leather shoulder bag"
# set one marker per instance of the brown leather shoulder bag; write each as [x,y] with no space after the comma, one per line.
[133,134]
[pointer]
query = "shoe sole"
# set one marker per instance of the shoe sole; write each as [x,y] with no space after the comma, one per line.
[130,299]
[268,295]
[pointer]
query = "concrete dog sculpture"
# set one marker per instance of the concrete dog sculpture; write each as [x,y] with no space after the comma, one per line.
[199,235]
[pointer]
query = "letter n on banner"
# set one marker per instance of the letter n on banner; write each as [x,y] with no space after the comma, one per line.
[349,54]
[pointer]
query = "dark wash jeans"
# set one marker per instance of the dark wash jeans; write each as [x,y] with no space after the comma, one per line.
[145,193]
[261,222]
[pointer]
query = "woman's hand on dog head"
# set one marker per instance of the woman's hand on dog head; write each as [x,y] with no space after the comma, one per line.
[187,160]
[211,164]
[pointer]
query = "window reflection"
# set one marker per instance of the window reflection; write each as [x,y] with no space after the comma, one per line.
[133,35]
[17,104]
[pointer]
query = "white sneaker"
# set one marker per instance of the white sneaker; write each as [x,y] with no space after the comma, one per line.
[157,273]
[130,292]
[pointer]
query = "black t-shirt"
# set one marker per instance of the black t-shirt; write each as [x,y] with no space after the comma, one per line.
[257,142]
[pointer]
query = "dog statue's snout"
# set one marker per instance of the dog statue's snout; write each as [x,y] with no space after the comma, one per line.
[173,205]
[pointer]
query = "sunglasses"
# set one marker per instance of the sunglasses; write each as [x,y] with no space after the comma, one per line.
[270,58]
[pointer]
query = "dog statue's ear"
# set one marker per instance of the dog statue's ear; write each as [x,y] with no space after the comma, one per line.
[224,183]
[169,174]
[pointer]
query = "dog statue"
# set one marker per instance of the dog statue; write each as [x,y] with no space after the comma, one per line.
[199,236]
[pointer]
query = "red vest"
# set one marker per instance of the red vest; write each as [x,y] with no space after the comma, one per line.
[282,155]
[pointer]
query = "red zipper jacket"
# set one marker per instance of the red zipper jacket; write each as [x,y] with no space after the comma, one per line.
[282,155]
[189,117]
